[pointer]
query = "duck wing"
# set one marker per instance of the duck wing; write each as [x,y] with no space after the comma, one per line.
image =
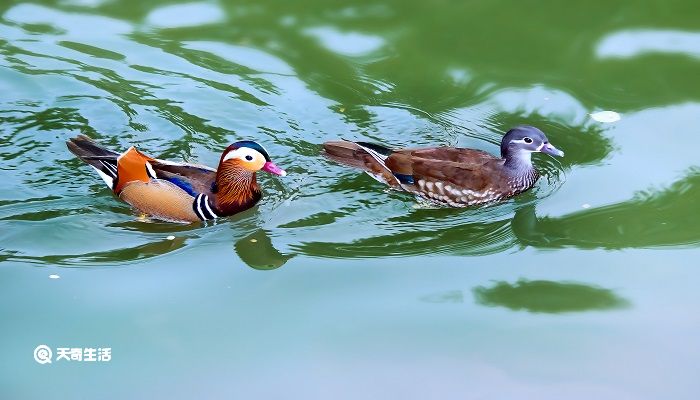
[448,154]
[465,168]
[192,178]
[468,169]
[455,176]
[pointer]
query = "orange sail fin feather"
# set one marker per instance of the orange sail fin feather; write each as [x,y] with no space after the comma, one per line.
[132,166]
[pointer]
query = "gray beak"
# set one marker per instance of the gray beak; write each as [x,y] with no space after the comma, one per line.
[551,150]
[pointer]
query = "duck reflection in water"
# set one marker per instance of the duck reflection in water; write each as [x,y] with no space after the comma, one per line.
[543,296]
[671,219]
[258,252]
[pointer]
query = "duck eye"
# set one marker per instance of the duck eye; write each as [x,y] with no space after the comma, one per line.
[249,158]
[527,140]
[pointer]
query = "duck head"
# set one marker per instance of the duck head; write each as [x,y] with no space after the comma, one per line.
[520,142]
[236,187]
[248,156]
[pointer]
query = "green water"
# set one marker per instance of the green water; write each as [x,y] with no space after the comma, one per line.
[334,287]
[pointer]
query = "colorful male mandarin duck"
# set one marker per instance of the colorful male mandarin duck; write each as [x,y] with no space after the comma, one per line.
[451,176]
[180,192]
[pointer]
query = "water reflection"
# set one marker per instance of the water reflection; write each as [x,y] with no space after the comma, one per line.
[345,43]
[185,15]
[670,219]
[548,297]
[109,257]
[252,58]
[635,43]
[477,238]
[258,252]
[77,25]
[655,218]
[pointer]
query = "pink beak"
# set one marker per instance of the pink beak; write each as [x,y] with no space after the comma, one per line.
[273,169]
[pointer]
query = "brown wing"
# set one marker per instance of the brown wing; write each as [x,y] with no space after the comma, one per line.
[474,177]
[465,168]
[197,177]
[458,177]
[455,154]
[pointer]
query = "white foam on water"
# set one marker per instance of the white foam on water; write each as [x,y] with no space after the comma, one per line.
[606,116]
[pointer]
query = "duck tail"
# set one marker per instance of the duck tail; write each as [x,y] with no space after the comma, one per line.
[368,157]
[104,161]
[344,152]
[355,154]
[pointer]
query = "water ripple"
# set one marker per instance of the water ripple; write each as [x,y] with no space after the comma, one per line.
[181,88]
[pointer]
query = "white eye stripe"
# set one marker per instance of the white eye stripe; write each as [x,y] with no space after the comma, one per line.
[241,153]
[520,141]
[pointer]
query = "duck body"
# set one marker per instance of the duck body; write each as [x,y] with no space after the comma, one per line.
[180,192]
[457,177]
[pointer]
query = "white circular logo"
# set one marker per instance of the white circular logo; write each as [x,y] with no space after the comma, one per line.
[43,354]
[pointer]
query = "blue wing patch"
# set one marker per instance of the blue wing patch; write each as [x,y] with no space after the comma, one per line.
[405,179]
[186,186]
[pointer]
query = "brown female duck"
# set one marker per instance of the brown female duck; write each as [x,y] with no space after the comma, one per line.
[180,192]
[457,177]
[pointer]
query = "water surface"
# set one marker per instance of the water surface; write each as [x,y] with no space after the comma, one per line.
[333,286]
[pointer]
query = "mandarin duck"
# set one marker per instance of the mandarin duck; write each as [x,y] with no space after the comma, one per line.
[456,177]
[180,192]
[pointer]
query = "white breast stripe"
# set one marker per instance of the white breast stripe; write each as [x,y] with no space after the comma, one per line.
[202,208]
[206,204]
[198,207]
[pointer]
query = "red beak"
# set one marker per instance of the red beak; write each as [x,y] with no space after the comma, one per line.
[273,169]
